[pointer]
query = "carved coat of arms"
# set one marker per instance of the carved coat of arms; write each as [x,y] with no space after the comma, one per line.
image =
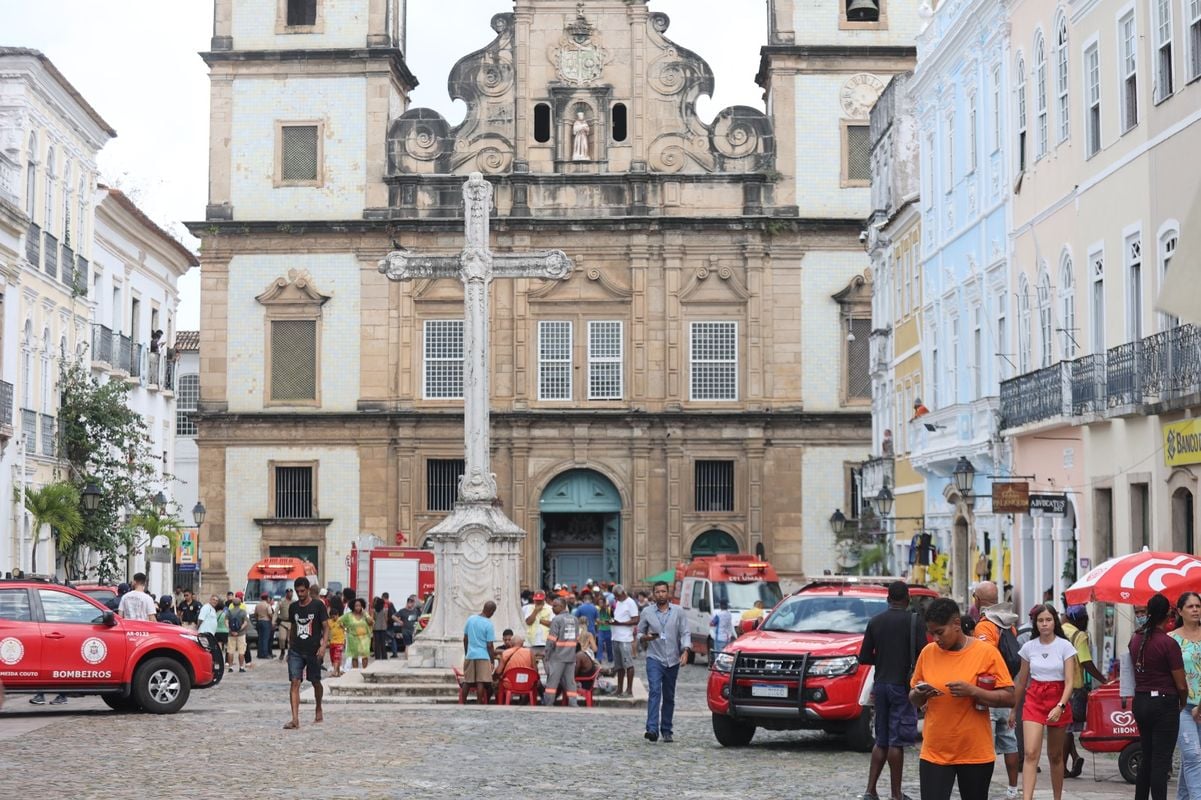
[579,59]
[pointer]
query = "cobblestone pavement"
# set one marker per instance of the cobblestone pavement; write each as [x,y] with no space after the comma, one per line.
[228,742]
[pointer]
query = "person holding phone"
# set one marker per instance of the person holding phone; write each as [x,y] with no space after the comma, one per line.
[664,630]
[957,680]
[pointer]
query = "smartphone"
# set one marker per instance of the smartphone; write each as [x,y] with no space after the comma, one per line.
[922,686]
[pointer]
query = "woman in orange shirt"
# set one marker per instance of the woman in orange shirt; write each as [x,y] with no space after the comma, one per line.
[957,679]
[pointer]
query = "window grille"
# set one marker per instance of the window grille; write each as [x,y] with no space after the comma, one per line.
[442,482]
[299,153]
[554,360]
[714,485]
[859,153]
[714,357]
[858,360]
[293,359]
[444,359]
[302,12]
[294,492]
[605,364]
[1127,36]
[187,395]
[1092,79]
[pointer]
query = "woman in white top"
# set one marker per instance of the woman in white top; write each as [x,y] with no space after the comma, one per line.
[1044,686]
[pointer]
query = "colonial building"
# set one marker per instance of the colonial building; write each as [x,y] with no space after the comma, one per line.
[185,489]
[691,388]
[1105,406]
[52,135]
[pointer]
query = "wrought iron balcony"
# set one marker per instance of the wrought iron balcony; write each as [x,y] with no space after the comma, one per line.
[49,437]
[1088,385]
[1036,396]
[154,369]
[50,246]
[33,246]
[168,375]
[6,409]
[67,260]
[81,275]
[124,348]
[102,344]
[135,361]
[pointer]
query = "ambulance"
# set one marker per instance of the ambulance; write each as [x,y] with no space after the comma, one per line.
[703,583]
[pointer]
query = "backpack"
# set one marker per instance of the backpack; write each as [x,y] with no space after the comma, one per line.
[1008,645]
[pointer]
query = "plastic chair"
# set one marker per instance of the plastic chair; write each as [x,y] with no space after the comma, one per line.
[584,684]
[465,689]
[518,682]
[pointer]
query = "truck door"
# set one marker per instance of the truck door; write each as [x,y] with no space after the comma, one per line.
[20,640]
[701,605]
[78,649]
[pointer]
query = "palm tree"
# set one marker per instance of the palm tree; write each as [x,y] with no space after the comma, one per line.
[153,524]
[55,505]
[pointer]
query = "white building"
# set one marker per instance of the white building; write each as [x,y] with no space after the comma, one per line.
[186,489]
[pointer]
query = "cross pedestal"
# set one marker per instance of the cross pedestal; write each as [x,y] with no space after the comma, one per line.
[477,549]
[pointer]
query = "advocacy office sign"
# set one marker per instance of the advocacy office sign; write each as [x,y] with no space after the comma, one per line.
[1011,498]
[1182,442]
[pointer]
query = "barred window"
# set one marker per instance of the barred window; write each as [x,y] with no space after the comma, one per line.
[294,492]
[714,358]
[444,359]
[299,153]
[859,154]
[187,395]
[293,359]
[302,12]
[554,360]
[714,487]
[442,483]
[858,359]
[605,365]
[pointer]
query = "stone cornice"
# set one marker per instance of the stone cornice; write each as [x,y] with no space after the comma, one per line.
[834,58]
[394,58]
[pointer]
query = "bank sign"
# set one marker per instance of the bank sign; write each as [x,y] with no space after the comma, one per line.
[1182,443]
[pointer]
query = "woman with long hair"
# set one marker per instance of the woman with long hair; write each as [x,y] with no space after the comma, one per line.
[1044,687]
[1160,692]
[1188,636]
[357,623]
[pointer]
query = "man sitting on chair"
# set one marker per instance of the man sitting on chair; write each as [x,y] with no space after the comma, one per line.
[515,656]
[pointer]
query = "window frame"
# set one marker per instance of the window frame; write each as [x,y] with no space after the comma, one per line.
[1063,80]
[973,119]
[426,360]
[596,361]
[949,151]
[1091,53]
[1041,95]
[1192,38]
[1128,71]
[183,413]
[272,474]
[733,485]
[1022,110]
[278,179]
[31,176]
[429,465]
[269,399]
[1166,245]
[846,182]
[1067,307]
[1136,286]
[1159,26]
[1097,301]
[734,363]
[1025,326]
[998,94]
[1046,319]
[545,325]
[282,27]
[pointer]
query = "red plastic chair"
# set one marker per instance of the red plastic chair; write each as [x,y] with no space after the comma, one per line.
[465,689]
[584,685]
[518,682]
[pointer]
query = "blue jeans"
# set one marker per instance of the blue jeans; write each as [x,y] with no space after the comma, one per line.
[264,634]
[662,692]
[604,645]
[1189,742]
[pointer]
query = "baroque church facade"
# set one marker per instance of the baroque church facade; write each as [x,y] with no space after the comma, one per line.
[700,384]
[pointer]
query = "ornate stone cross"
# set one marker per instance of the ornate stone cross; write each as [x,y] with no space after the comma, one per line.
[476,267]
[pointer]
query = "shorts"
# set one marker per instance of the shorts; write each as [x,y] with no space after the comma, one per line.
[896,718]
[222,637]
[335,654]
[1005,740]
[237,644]
[1079,704]
[303,665]
[1041,699]
[477,670]
[623,655]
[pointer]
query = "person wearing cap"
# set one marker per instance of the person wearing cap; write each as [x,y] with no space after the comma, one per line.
[166,610]
[537,616]
[1075,627]
[238,621]
[263,616]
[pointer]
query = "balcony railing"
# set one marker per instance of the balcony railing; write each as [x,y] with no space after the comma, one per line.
[6,407]
[67,260]
[168,375]
[49,437]
[50,246]
[154,369]
[102,344]
[1036,396]
[29,429]
[81,275]
[10,173]
[124,347]
[1088,385]
[33,246]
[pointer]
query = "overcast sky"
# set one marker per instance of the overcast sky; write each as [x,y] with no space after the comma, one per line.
[135,61]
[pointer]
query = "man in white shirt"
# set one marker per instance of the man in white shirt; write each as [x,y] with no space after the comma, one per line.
[136,604]
[625,620]
[537,616]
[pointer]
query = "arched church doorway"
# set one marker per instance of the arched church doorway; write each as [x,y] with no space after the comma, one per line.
[712,543]
[1184,535]
[581,529]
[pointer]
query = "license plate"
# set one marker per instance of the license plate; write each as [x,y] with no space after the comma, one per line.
[767,690]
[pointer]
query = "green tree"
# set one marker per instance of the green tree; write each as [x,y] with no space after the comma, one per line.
[104,442]
[55,505]
[144,527]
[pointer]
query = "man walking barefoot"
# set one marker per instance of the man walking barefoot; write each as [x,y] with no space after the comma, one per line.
[306,650]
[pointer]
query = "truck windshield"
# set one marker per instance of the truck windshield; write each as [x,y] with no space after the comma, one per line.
[742,596]
[272,586]
[824,614]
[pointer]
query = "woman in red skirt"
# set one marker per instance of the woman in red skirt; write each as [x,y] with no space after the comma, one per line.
[1044,686]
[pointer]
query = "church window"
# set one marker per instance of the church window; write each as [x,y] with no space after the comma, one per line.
[714,359]
[620,122]
[714,488]
[187,396]
[554,360]
[605,364]
[442,483]
[857,155]
[293,360]
[302,12]
[293,492]
[444,359]
[299,161]
[542,123]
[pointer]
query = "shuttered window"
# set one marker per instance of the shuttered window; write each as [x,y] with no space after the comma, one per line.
[859,153]
[294,492]
[858,360]
[299,150]
[293,359]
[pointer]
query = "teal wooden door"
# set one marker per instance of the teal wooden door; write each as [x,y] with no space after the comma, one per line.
[711,543]
[583,491]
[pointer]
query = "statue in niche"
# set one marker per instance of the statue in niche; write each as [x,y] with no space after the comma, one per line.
[580,130]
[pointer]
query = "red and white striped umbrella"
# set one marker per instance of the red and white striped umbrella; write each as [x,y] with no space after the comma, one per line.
[1134,578]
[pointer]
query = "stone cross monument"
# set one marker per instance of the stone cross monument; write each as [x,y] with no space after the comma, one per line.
[477,549]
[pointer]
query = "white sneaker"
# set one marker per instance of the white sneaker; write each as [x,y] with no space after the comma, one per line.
[1011,793]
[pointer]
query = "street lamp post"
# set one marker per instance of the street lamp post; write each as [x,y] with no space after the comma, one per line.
[965,479]
[883,504]
[160,503]
[198,514]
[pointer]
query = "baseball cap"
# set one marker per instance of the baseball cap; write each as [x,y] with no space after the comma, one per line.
[323,593]
[539,596]
[239,595]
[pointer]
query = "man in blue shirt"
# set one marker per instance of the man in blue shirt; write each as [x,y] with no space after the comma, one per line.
[478,651]
[588,612]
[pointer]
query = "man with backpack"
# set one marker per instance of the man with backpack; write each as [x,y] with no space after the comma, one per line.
[997,628]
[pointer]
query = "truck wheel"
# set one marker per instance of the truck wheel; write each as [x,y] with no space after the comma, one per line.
[118,703]
[732,733]
[861,733]
[161,686]
[1129,760]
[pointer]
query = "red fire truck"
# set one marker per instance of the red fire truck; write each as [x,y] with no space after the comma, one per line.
[399,571]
